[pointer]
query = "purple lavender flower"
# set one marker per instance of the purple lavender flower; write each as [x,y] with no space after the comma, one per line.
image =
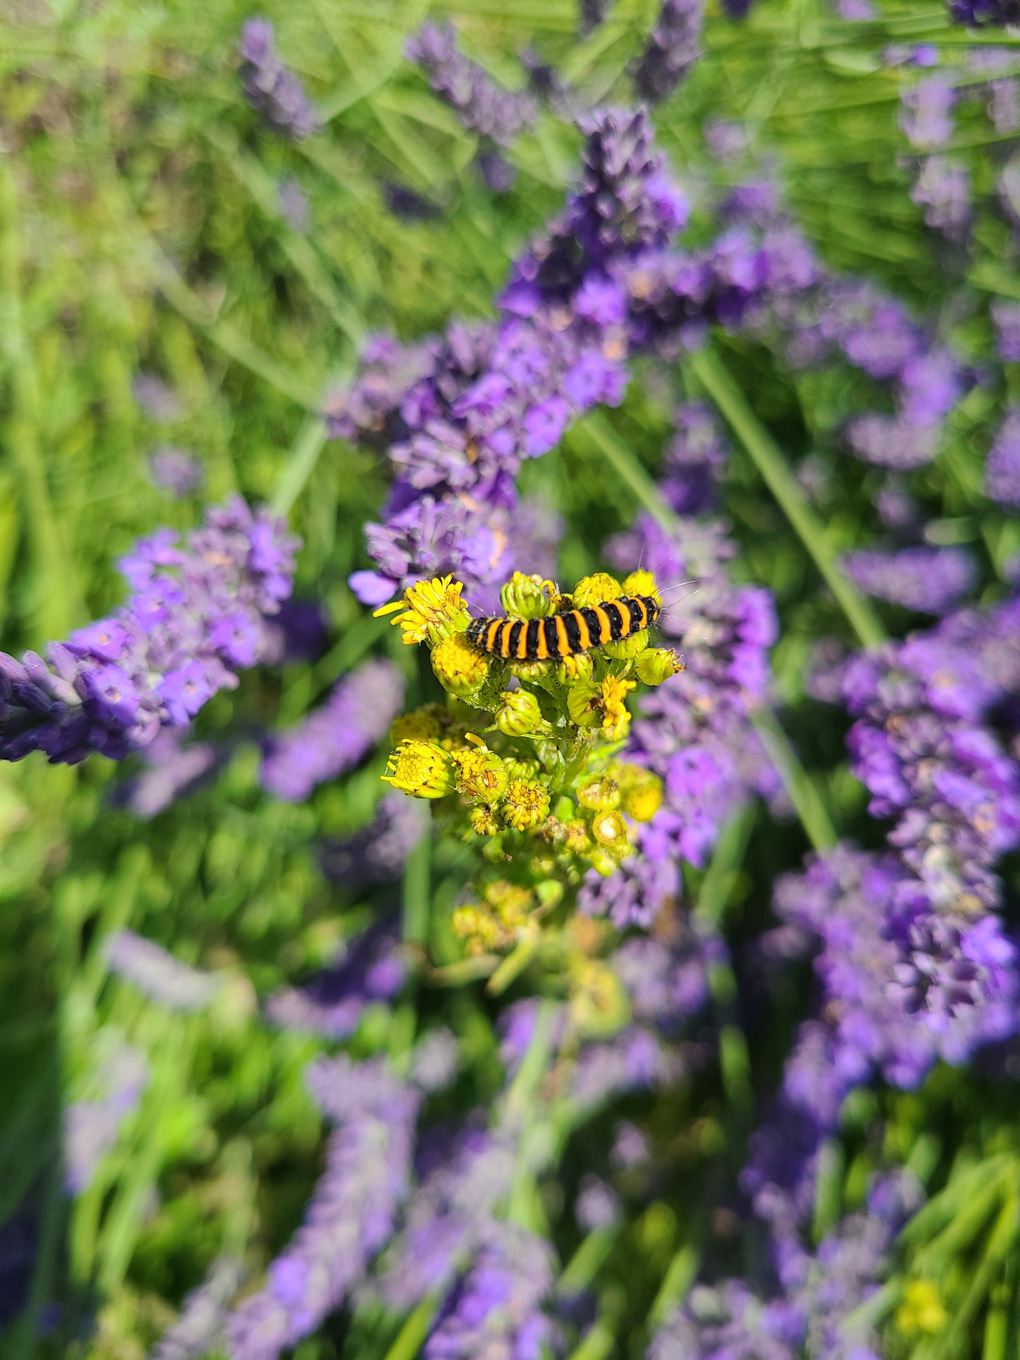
[173,769]
[336,736]
[293,205]
[158,974]
[495,1308]
[155,397]
[333,1000]
[672,49]
[199,1328]
[696,730]
[350,1215]
[929,580]
[1002,470]
[270,87]
[1006,316]
[942,189]
[716,1324]
[890,442]
[91,1126]
[378,852]
[926,109]
[172,470]
[196,617]
[480,105]
[695,460]
[1004,105]
[597,1204]
[592,13]
[979,13]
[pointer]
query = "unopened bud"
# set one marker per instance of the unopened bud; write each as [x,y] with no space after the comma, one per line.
[656,664]
[601,795]
[518,713]
[528,597]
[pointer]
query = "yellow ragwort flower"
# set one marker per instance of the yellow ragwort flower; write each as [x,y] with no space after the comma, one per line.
[922,1309]
[459,667]
[615,718]
[481,775]
[641,583]
[484,821]
[525,805]
[596,588]
[421,724]
[640,791]
[431,610]
[420,768]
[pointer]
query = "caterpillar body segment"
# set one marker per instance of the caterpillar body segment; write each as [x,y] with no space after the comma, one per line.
[562,635]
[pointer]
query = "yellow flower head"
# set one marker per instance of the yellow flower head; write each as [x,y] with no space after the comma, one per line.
[459,667]
[598,1003]
[431,610]
[922,1309]
[596,588]
[481,775]
[615,718]
[528,597]
[641,583]
[610,830]
[421,724]
[525,804]
[421,768]
[640,791]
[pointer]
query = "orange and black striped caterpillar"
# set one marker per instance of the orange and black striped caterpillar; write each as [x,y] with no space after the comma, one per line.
[563,635]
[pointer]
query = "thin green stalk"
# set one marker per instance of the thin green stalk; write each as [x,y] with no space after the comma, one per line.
[301,460]
[415,894]
[412,1335]
[802,792]
[675,1283]
[708,370]
[27,1337]
[628,469]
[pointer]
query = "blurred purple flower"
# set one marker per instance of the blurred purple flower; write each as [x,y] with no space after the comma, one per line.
[174,471]
[672,49]
[270,87]
[199,1328]
[91,1126]
[158,974]
[1002,469]
[928,580]
[196,617]
[942,189]
[926,109]
[479,103]
[332,1001]
[336,736]
[378,852]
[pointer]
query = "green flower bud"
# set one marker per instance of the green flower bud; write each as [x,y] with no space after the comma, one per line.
[584,704]
[602,861]
[459,667]
[525,805]
[528,597]
[529,670]
[483,820]
[609,829]
[600,795]
[657,664]
[518,713]
[595,589]
[598,1003]
[627,648]
[481,775]
[574,668]
[421,768]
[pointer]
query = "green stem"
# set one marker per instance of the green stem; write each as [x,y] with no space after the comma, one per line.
[629,470]
[675,1283]
[300,464]
[709,371]
[797,782]
[412,1335]
[415,896]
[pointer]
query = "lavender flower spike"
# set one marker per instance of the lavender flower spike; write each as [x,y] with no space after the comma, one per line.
[197,617]
[91,1126]
[1002,470]
[158,974]
[929,580]
[673,48]
[270,87]
[479,103]
[336,736]
[350,1215]
[200,1325]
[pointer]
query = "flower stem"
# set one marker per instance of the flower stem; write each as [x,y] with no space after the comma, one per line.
[709,371]
[300,464]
